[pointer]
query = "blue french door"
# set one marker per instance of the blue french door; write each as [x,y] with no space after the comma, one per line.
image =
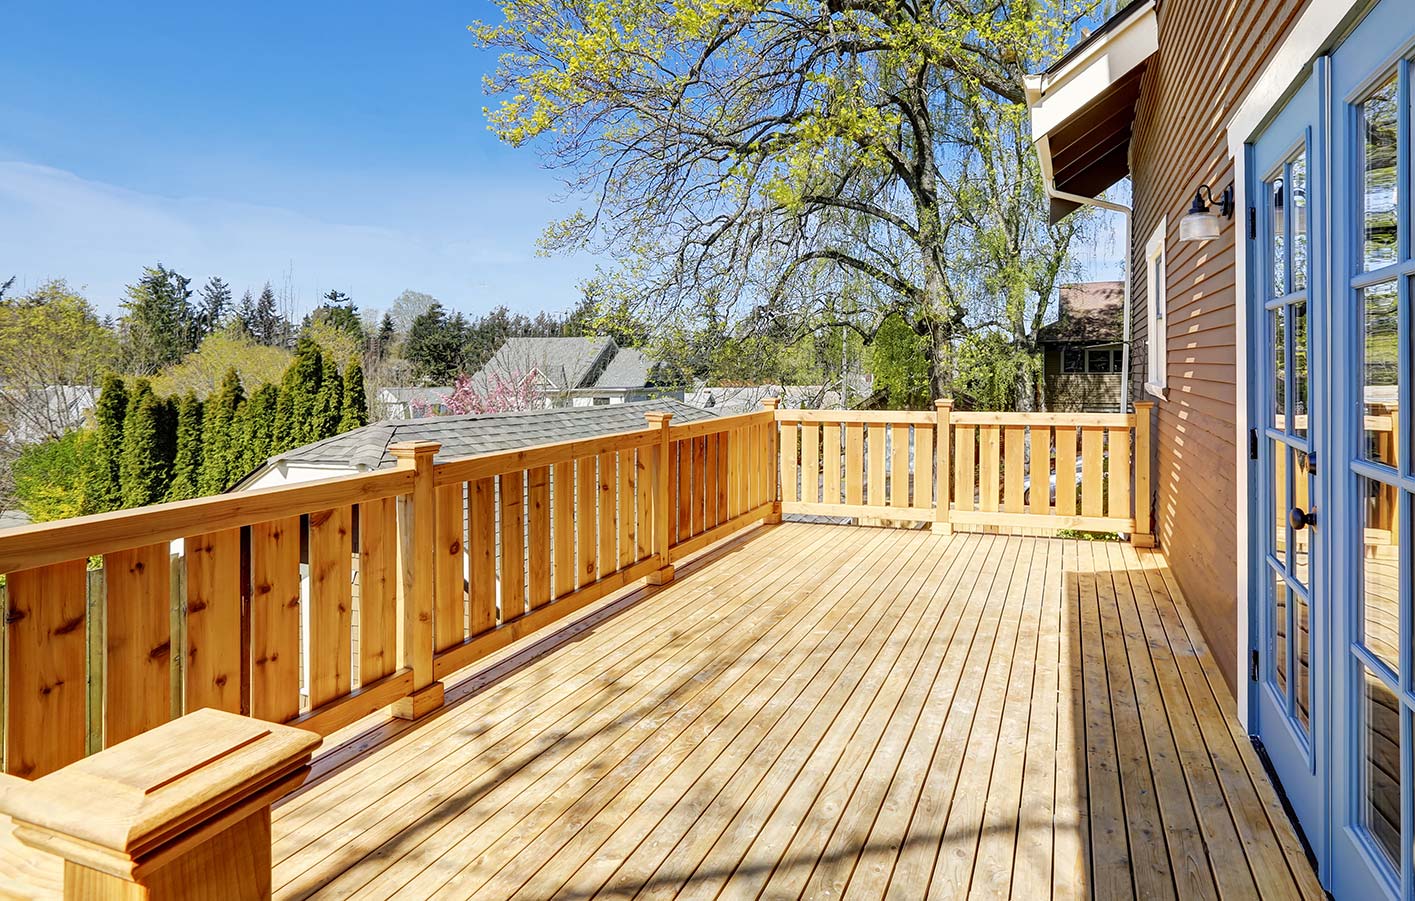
[1288,319]
[1372,481]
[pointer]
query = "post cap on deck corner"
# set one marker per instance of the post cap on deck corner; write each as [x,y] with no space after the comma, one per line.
[771,403]
[658,417]
[414,448]
[943,402]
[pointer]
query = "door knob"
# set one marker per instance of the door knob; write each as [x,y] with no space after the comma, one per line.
[1300,518]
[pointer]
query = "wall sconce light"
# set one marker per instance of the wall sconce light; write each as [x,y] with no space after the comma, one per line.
[1202,223]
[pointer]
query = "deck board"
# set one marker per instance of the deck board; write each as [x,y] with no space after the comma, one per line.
[828,711]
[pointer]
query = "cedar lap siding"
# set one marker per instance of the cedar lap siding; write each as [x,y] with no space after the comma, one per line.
[1210,53]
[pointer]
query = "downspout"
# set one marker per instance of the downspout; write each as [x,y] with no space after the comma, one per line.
[1129,214]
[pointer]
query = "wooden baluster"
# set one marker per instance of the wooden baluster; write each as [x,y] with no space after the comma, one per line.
[643,490]
[512,488]
[898,465]
[332,602]
[1039,471]
[682,457]
[45,654]
[658,477]
[943,524]
[830,462]
[137,681]
[608,538]
[564,513]
[449,613]
[1066,471]
[854,464]
[481,555]
[810,463]
[1118,473]
[922,481]
[275,619]
[538,512]
[417,527]
[777,475]
[877,457]
[626,518]
[1143,535]
[724,477]
[989,464]
[586,518]
[213,670]
[378,591]
[1014,468]
[1092,471]
[965,482]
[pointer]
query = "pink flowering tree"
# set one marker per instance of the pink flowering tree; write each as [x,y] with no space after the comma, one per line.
[501,393]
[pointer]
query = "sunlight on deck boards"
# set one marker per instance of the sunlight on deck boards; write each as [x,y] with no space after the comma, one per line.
[827,711]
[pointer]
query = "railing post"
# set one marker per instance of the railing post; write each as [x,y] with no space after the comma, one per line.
[417,520]
[773,443]
[180,811]
[1143,535]
[943,449]
[659,471]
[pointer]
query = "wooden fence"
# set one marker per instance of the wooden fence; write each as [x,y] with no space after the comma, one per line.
[318,604]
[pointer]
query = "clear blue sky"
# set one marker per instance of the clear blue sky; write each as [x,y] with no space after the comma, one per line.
[342,142]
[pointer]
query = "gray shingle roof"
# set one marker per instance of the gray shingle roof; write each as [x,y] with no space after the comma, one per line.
[629,369]
[564,362]
[463,436]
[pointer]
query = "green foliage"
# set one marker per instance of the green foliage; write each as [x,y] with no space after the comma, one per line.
[186,467]
[993,372]
[257,442]
[264,321]
[329,402]
[220,446]
[203,370]
[148,447]
[435,345]
[158,323]
[299,397]
[50,478]
[897,358]
[338,311]
[214,306]
[103,488]
[355,404]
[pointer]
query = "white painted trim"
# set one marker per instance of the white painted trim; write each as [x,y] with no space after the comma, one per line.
[1319,24]
[1157,311]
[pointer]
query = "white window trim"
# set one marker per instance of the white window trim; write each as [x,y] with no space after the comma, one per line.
[1156,315]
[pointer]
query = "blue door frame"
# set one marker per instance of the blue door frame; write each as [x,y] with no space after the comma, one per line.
[1354,790]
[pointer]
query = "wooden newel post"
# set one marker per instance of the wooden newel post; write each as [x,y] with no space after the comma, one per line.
[181,811]
[417,551]
[1144,494]
[659,471]
[943,448]
[774,456]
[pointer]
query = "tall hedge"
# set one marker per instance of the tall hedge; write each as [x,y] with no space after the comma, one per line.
[186,467]
[219,438]
[258,442]
[329,403]
[148,447]
[355,408]
[103,487]
[299,394]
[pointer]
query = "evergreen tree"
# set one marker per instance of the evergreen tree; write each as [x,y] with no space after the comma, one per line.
[103,490]
[146,466]
[186,467]
[219,438]
[257,432]
[267,326]
[299,394]
[244,317]
[434,345]
[329,405]
[215,305]
[158,324]
[355,413]
[339,311]
[387,336]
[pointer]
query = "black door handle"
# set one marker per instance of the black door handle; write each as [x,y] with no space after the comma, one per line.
[1300,518]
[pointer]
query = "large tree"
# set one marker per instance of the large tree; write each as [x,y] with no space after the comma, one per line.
[771,153]
[213,307]
[159,324]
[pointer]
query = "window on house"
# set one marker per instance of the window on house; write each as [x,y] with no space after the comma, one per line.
[1073,359]
[601,401]
[1098,361]
[1156,332]
[1117,361]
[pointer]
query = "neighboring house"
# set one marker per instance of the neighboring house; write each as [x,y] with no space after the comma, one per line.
[575,372]
[1083,351]
[729,400]
[28,415]
[1270,149]
[411,403]
[366,449]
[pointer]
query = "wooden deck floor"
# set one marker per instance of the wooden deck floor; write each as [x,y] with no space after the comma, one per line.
[824,711]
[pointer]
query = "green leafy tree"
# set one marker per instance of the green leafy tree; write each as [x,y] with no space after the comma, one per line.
[435,345]
[158,322]
[203,370]
[329,404]
[257,442]
[769,154]
[103,469]
[148,447]
[220,435]
[355,406]
[49,480]
[186,466]
[339,311]
[299,397]
[898,360]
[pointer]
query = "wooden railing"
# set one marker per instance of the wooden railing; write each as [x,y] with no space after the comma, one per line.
[1083,471]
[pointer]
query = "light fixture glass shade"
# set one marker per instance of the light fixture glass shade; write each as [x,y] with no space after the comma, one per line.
[1199,227]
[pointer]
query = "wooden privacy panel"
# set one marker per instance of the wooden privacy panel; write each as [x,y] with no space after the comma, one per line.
[448,614]
[481,554]
[643,501]
[137,681]
[587,484]
[45,654]
[628,521]
[275,619]
[213,653]
[511,487]
[608,548]
[538,552]
[331,605]
[563,526]
[378,589]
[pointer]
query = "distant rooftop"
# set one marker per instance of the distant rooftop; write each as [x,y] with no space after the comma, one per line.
[565,363]
[1088,313]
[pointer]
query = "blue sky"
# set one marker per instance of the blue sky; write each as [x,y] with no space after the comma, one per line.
[339,145]
[343,143]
